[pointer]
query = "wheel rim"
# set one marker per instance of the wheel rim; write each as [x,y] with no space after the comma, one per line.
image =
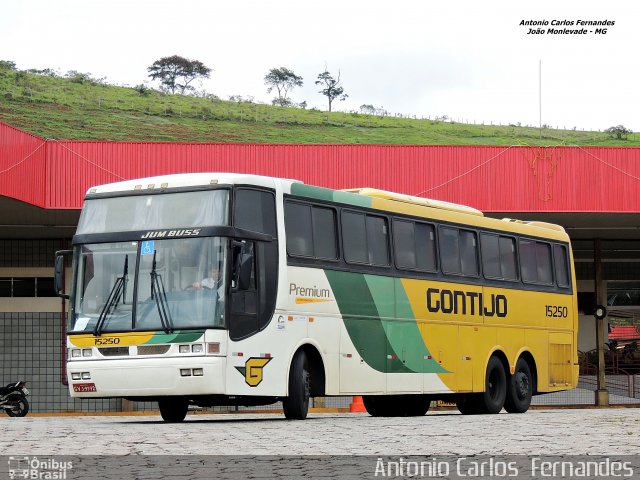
[522,385]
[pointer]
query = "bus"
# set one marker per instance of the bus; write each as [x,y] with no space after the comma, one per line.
[217,289]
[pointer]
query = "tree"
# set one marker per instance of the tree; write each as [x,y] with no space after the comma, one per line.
[368,109]
[176,72]
[619,132]
[7,65]
[332,88]
[283,80]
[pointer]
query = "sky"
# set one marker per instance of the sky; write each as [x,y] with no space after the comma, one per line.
[469,60]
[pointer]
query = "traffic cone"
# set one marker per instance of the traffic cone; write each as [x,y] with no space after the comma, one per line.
[357,405]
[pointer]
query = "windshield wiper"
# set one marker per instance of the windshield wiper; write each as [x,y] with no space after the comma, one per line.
[119,289]
[159,293]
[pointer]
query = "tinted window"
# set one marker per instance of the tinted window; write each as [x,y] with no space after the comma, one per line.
[543,260]
[297,219]
[449,250]
[508,260]
[499,257]
[255,210]
[354,237]
[377,242]
[560,260]
[415,246]
[324,233]
[468,253]
[458,251]
[365,238]
[24,287]
[535,262]
[45,287]
[491,256]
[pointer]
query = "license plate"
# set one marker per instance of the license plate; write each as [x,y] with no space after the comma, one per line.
[84,387]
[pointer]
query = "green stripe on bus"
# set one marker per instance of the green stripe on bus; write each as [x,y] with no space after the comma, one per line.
[176,337]
[330,195]
[362,321]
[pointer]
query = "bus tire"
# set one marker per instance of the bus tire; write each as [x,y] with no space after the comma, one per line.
[469,403]
[520,388]
[495,391]
[296,405]
[376,405]
[173,409]
[416,405]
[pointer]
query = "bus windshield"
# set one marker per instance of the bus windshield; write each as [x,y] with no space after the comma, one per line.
[161,284]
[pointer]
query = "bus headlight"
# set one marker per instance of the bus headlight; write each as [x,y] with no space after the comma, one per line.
[196,348]
[86,352]
[184,349]
[75,376]
[76,353]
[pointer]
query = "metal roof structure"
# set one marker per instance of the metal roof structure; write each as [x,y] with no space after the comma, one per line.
[43,181]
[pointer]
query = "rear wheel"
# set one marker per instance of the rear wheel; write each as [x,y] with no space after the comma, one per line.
[519,389]
[173,410]
[495,390]
[296,405]
[17,405]
[494,395]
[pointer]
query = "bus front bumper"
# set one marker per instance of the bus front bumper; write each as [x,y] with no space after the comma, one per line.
[147,377]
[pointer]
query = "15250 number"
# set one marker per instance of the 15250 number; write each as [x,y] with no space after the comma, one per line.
[556,311]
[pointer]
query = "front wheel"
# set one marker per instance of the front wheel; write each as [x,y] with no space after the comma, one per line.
[296,405]
[520,388]
[173,410]
[17,405]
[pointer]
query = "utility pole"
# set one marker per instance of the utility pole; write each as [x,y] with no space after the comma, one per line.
[601,394]
[540,93]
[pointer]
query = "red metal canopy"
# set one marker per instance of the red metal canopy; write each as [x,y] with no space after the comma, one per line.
[55,174]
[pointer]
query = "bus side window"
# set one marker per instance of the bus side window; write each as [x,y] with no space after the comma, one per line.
[560,261]
[535,262]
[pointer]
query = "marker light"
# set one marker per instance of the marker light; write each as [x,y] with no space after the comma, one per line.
[214,348]
[196,348]
[75,376]
[184,349]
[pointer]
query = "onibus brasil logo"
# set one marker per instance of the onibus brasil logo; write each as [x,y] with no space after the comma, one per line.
[33,467]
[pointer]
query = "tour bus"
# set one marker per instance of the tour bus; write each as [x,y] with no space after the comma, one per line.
[230,289]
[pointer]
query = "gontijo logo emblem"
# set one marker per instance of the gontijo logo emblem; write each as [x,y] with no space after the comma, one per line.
[252,370]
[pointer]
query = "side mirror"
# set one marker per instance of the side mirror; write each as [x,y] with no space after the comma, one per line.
[58,273]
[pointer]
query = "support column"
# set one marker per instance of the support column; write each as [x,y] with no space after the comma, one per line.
[601,394]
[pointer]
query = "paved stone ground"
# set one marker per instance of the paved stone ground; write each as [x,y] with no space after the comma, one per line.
[540,432]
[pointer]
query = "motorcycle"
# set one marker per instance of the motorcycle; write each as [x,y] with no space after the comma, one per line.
[13,399]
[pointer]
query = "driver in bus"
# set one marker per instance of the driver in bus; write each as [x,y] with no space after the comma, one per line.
[213,281]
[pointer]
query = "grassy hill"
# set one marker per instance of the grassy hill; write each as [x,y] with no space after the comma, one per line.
[80,108]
